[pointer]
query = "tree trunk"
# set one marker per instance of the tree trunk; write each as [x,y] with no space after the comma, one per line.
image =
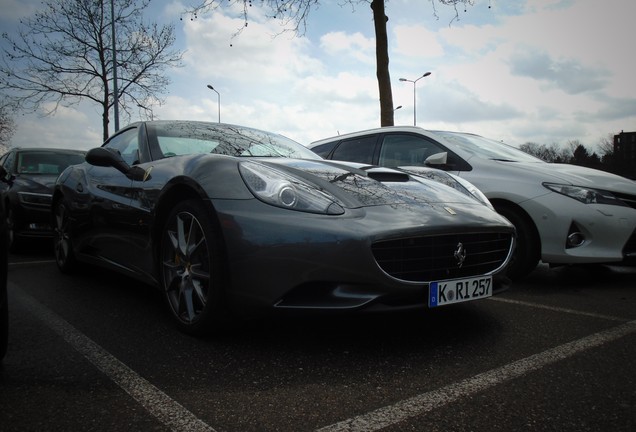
[105,119]
[382,63]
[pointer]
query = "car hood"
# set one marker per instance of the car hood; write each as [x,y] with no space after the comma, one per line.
[578,176]
[36,183]
[360,185]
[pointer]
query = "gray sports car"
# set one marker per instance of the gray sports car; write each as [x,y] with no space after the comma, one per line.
[227,220]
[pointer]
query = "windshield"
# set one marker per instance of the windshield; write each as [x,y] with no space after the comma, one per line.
[46,162]
[486,148]
[183,138]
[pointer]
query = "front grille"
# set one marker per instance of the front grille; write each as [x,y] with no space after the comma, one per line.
[423,259]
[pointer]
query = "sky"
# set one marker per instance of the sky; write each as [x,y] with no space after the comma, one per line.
[518,71]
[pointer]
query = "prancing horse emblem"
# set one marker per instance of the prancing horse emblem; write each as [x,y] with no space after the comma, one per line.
[460,254]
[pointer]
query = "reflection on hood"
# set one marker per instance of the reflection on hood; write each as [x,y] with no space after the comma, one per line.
[395,188]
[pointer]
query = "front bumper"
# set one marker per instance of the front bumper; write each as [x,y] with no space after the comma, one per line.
[608,232]
[315,262]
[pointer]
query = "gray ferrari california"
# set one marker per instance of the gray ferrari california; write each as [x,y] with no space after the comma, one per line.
[229,220]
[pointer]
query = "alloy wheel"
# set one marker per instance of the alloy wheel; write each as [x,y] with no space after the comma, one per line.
[62,240]
[186,267]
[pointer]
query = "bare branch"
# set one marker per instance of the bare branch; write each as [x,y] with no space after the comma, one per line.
[62,54]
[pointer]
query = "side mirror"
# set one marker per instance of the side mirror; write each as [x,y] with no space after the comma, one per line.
[436,159]
[104,157]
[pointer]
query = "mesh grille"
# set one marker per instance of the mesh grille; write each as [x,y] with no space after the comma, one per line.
[430,258]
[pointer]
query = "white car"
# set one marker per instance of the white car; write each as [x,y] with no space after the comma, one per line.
[564,214]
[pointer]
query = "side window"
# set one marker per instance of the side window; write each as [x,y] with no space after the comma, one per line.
[406,150]
[356,150]
[127,144]
[323,150]
[7,162]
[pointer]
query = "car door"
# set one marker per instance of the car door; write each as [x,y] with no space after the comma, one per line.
[400,149]
[114,228]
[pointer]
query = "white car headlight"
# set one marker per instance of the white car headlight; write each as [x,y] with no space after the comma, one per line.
[585,195]
[284,190]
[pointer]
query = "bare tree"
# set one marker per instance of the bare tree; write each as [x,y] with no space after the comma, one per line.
[606,145]
[63,54]
[7,127]
[295,13]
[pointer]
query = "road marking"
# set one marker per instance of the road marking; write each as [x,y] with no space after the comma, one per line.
[427,402]
[558,309]
[168,411]
[12,264]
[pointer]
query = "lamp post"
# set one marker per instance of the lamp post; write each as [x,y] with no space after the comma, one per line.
[219,99]
[414,81]
[115,90]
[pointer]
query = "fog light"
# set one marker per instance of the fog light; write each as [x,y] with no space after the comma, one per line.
[575,237]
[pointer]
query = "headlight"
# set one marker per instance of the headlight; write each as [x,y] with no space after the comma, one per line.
[284,190]
[585,195]
[479,195]
[37,199]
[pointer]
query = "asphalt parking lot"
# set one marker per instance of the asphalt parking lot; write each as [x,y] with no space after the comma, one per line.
[96,351]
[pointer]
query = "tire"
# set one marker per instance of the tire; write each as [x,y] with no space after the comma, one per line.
[62,241]
[12,239]
[191,268]
[528,251]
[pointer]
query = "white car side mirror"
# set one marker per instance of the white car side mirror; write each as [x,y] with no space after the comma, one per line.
[436,159]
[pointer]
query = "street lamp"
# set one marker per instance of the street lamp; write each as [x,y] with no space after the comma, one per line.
[395,109]
[219,99]
[414,81]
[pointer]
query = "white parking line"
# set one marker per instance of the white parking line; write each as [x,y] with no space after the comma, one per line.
[557,309]
[426,402]
[168,411]
[17,263]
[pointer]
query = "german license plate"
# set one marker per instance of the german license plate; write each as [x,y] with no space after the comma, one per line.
[446,292]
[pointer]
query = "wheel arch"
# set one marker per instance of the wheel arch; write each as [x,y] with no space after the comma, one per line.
[503,206]
[169,199]
[520,211]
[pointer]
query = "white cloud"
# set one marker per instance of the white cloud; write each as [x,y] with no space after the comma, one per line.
[416,41]
[347,46]
[539,70]
[257,53]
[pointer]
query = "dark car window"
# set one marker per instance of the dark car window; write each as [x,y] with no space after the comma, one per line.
[406,150]
[324,149]
[356,150]
[402,149]
[8,162]
[127,144]
[46,162]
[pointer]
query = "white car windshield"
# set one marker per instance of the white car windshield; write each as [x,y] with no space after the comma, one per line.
[486,148]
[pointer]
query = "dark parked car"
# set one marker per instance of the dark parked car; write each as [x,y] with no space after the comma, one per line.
[224,218]
[28,176]
[564,214]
